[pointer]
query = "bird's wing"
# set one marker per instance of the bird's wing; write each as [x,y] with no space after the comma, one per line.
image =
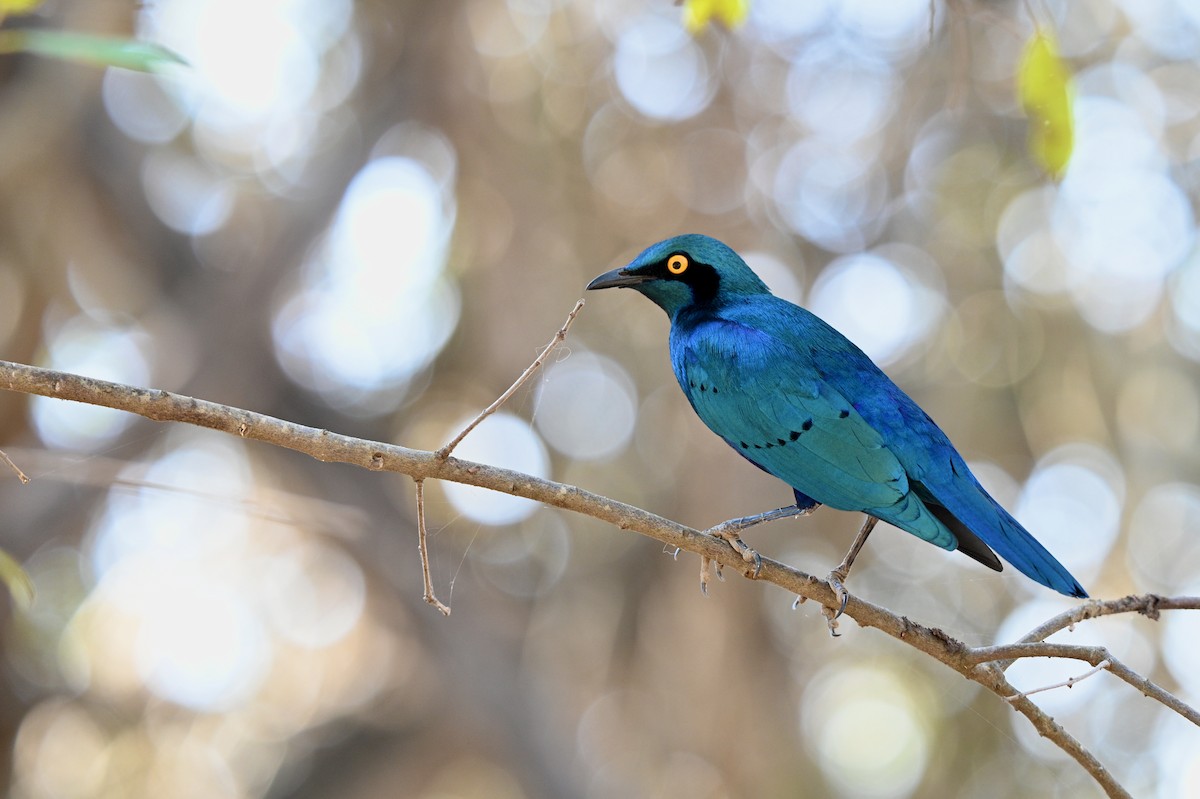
[766,401]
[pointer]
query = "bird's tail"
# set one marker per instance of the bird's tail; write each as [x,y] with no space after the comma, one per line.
[994,526]
[1023,551]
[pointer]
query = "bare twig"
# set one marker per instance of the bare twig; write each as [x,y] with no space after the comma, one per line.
[993,679]
[445,451]
[423,548]
[1067,683]
[24,478]
[1005,654]
[420,465]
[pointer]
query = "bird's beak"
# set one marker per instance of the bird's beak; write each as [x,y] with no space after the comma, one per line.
[617,278]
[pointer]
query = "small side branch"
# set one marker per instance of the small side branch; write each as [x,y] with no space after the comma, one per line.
[1004,655]
[1067,683]
[24,478]
[423,547]
[1047,727]
[559,337]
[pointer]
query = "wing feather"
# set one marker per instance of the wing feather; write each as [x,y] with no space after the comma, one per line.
[791,424]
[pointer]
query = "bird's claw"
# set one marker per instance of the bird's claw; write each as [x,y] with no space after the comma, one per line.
[708,568]
[835,583]
[749,555]
[831,619]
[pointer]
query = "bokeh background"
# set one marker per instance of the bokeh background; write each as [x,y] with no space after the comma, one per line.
[370,216]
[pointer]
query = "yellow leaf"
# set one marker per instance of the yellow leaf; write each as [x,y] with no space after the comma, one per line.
[16,580]
[1045,90]
[698,13]
[18,6]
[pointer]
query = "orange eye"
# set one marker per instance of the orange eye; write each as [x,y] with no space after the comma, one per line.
[677,264]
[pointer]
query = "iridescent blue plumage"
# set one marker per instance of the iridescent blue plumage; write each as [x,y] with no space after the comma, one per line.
[801,402]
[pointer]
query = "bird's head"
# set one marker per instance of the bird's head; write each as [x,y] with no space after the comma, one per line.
[684,272]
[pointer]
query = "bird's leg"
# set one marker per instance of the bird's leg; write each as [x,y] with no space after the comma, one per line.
[731,532]
[839,575]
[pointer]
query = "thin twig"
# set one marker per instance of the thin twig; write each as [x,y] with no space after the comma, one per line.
[993,679]
[445,451]
[423,548]
[1005,654]
[1067,683]
[24,478]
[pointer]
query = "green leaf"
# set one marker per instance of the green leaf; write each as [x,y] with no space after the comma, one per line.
[16,580]
[1044,86]
[101,51]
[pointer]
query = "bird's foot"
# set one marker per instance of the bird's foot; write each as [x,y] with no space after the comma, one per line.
[838,576]
[749,555]
[729,531]
[836,581]
[708,566]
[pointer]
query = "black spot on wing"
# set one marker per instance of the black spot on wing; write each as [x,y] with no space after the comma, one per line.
[794,435]
[844,413]
[807,425]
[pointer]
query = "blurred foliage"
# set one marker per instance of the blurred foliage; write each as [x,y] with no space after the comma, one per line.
[18,6]
[16,581]
[1044,82]
[102,51]
[369,216]
[730,13]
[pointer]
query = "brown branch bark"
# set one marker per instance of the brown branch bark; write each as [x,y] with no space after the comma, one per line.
[984,665]
[1149,605]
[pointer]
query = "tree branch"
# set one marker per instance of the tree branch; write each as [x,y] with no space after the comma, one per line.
[984,665]
[1148,605]
[993,678]
[1005,654]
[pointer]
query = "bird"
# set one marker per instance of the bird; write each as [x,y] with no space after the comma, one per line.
[800,401]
